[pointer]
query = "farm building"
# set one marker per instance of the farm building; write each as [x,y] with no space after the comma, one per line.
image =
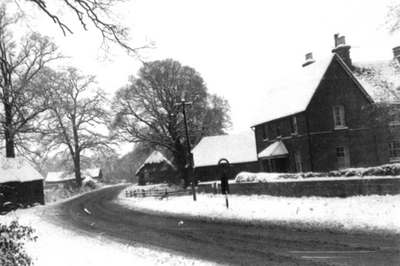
[20,183]
[317,120]
[64,178]
[238,149]
[59,178]
[157,169]
[93,173]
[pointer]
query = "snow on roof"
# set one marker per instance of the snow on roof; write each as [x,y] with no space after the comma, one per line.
[293,92]
[274,150]
[154,158]
[375,76]
[236,148]
[17,170]
[91,172]
[59,177]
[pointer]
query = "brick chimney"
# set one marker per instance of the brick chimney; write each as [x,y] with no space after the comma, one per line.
[396,53]
[342,49]
[309,60]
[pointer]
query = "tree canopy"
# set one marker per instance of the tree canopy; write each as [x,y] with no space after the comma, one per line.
[147,110]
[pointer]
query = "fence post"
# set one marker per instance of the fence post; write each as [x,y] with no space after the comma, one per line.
[143,193]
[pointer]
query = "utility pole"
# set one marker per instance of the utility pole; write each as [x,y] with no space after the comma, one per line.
[183,103]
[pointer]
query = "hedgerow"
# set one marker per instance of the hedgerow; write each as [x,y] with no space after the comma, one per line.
[12,244]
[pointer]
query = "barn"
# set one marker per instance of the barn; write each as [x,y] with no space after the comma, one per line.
[238,149]
[59,179]
[157,169]
[20,184]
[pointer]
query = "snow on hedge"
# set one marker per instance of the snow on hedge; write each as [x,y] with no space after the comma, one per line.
[382,171]
[354,213]
[62,247]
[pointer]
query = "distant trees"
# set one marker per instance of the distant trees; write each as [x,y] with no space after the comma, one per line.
[76,114]
[146,110]
[21,64]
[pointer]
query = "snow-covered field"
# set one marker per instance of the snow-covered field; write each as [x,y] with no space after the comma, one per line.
[62,247]
[366,213]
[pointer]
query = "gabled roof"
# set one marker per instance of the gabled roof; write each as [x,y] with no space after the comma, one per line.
[236,148]
[293,94]
[155,158]
[274,150]
[17,170]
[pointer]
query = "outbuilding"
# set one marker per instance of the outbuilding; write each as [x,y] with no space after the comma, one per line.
[157,169]
[238,149]
[20,183]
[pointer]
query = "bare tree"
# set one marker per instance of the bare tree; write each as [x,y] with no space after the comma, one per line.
[96,13]
[21,96]
[147,110]
[76,114]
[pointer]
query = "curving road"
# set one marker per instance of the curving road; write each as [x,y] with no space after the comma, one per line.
[225,243]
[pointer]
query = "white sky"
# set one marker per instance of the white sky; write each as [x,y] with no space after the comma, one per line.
[239,47]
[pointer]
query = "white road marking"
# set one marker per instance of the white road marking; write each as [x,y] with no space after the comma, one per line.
[332,251]
[323,257]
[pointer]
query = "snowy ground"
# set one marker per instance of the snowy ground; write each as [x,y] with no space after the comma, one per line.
[366,213]
[62,247]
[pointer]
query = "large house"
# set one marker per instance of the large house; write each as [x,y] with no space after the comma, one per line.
[317,120]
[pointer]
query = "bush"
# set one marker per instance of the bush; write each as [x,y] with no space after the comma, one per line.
[12,237]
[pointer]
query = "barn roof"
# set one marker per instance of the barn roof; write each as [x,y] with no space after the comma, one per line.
[59,176]
[17,170]
[236,148]
[292,94]
[154,158]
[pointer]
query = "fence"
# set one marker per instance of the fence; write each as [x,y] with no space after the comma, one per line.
[157,193]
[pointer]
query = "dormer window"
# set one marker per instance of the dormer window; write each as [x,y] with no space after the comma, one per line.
[293,125]
[338,117]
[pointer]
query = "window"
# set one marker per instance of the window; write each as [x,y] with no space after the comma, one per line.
[293,125]
[342,157]
[298,162]
[338,116]
[265,131]
[394,150]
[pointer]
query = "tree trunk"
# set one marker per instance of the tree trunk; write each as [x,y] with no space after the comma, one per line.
[77,157]
[77,169]
[8,132]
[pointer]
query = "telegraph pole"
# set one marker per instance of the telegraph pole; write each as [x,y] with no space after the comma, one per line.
[183,103]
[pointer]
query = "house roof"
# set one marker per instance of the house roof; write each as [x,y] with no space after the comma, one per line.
[154,158]
[236,148]
[59,176]
[378,76]
[274,150]
[294,92]
[17,170]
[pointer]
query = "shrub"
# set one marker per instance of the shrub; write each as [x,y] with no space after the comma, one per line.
[12,237]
